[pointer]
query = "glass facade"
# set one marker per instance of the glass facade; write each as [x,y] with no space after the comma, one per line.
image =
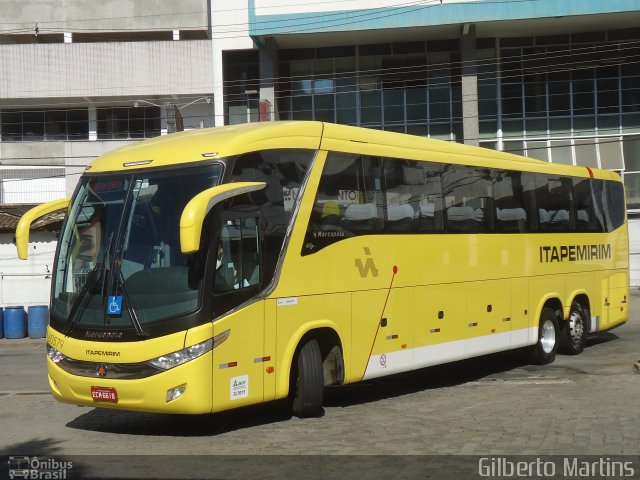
[572,99]
[411,87]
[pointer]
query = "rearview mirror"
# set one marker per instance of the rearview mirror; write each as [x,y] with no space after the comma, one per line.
[196,210]
[24,225]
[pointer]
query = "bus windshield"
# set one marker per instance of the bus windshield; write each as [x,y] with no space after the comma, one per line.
[120,262]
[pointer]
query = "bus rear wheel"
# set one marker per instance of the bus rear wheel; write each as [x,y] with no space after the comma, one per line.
[309,384]
[545,349]
[573,335]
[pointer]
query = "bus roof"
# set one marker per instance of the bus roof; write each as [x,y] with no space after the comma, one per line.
[219,142]
[209,144]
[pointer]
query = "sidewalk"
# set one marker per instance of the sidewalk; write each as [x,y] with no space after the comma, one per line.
[21,343]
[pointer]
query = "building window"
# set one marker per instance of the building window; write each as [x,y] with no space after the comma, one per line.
[40,125]
[386,87]
[128,122]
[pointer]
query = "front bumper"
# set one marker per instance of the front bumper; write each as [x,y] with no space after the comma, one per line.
[143,394]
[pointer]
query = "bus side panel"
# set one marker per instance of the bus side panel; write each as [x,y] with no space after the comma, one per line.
[440,331]
[488,308]
[541,289]
[600,316]
[618,292]
[618,299]
[238,366]
[393,347]
[295,316]
[520,313]
[366,347]
[270,345]
[578,283]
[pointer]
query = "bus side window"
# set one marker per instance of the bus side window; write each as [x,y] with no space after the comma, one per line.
[413,196]
[615,204]
[588,217]
[284,171]
[511,215]
[225,273]
[360,190]
[237,256]
[530,182]
[468,196]
[348,203]
[554,202]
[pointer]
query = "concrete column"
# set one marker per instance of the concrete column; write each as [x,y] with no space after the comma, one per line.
[500,144]
[93,123]
[268,75]
[470,123]
[218,90]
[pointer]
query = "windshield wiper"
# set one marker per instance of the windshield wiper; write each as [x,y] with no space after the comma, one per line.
[130,308]
[83,299]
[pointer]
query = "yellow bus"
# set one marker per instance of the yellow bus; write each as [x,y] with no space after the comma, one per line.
[212,269]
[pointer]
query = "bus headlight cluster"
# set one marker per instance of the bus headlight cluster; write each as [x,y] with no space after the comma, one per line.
[54,354]
[170,360]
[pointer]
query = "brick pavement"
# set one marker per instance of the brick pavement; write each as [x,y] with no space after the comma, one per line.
[495,405]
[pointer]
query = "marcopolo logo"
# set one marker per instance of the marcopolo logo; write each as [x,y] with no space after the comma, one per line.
[38,468]
[574,253]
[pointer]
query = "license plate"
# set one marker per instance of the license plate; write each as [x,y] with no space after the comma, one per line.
[104,394]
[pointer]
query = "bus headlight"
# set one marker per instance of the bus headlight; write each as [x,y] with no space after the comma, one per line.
[176,392]
[170,360]
[54,354]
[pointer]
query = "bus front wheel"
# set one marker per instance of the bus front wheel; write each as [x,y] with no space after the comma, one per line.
[545,349]
[573,335]
[309,384]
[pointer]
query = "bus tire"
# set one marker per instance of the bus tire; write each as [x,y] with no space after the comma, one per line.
[545,349]
[309,384]
[573,335]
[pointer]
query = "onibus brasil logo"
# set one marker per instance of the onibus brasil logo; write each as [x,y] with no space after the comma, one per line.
[38,468]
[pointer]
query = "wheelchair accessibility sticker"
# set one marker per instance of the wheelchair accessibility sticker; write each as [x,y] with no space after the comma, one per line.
[114,305]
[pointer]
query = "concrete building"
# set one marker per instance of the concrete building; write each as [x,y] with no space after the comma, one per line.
[77,82]
[554,80]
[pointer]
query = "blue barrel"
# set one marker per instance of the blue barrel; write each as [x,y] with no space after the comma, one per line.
[1,322]
[15,322]
[38,321]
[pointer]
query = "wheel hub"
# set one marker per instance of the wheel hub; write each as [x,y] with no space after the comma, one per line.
[548,336]
[576,327]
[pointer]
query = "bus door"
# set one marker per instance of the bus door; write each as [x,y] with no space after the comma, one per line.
[238,356]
